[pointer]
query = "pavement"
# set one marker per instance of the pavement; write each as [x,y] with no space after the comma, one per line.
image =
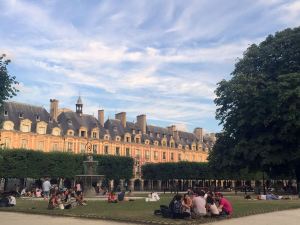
[287,217]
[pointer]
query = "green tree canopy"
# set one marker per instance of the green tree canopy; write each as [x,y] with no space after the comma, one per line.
[7,82]
[259,108]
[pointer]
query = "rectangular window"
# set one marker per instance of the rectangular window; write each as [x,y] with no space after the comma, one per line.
[42,130]
[6,143]
[155,155]
[117,150]
[55,146]
[172,156]
[40,145]
[25,128]
[82,133]
[94,134]
[95,148]
[24,143]
[106,150]
[70,147]
[179,157]
[82,148]
[138,153]
[127,139]
[164,155]
[172,145]
[137,140]
[147,156]
[127,151]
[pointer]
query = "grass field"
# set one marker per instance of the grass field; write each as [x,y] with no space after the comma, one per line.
[141,212]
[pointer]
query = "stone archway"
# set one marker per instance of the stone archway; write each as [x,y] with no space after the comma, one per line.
[137,184]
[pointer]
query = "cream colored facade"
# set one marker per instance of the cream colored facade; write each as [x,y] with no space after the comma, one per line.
[57,133]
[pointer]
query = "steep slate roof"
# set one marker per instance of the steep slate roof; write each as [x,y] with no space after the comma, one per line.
[113,127]
[72,120]
[30,112]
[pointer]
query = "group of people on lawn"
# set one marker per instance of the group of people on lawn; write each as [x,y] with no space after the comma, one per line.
[63,198]
[196,204]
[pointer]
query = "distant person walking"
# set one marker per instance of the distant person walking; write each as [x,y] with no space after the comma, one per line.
[46,188]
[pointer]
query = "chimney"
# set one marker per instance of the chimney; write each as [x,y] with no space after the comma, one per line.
[141,123]
[199,133]
[101,117]
[122,117]
[172,129]
[54,109]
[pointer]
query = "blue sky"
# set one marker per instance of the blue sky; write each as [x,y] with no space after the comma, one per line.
[161,58]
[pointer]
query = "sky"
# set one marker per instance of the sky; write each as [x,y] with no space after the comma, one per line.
[159,58]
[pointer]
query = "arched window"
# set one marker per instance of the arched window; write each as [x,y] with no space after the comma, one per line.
[56,131]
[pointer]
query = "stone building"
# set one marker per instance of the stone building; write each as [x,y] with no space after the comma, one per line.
[33,127]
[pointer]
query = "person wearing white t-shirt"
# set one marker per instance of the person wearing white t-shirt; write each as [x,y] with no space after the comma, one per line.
[211,207]
[199,204]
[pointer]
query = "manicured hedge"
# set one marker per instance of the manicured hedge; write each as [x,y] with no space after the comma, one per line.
[180,170]
[193,170]
[22,163]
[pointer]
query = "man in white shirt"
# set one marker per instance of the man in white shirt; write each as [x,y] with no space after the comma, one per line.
[46,188]
[199,204]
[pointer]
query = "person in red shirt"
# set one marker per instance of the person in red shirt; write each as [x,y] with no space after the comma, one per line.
[225,206]
[112,198]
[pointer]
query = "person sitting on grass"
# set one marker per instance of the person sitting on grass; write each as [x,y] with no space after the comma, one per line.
[121,196]
[79,199]
[176,207]
[53,202]
[199,203]
[211,207]
[112,198]
[186,206]
[225,207]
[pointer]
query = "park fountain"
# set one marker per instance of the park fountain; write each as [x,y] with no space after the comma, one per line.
[90,176]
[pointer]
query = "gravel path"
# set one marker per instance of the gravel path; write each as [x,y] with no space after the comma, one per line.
[288,217]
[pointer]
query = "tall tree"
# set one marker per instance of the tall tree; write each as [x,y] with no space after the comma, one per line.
[259,107]
[7,82]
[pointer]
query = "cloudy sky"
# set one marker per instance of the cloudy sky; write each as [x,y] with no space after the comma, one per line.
[161,58]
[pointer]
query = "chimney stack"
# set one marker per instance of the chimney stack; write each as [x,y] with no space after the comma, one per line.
[122,117]
[199,133]
[101,117]
[54,109]
[141,122]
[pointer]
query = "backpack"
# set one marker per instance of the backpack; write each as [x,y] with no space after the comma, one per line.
[177,207]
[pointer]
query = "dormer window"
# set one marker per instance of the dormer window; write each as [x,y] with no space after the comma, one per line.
[157,135]
[140,132]
[118,138]
[94,134]
[115,129]
[106,137]
[5,113]
[82,133]
[133,131]
[37,117]
[150,134]
[20,115]
[70,122]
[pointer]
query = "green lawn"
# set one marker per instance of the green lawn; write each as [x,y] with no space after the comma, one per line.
[142,212]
